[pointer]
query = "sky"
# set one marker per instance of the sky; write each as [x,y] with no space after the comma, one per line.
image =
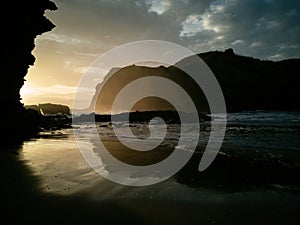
[87,29]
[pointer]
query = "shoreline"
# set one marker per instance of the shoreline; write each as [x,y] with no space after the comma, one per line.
[55,161]
[58,156]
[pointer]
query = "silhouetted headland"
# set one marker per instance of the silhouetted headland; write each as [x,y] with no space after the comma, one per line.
[253,84]
[51,116]
[247,83]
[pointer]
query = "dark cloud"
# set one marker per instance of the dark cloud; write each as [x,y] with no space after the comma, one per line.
[265,29]
[112,22]
[260,28]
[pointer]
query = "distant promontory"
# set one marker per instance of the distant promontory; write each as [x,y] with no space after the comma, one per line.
[247,83]
[49,109]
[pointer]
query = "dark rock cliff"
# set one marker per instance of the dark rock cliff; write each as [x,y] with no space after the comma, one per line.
[102,101]
[23,21]
[254,84]
[247,83]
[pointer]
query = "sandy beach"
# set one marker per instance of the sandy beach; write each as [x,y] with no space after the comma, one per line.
[48,182]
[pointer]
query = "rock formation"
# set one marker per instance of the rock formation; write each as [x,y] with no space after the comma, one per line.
[254,84]
[49,109]
[23,21]
[247,83]
[110,87]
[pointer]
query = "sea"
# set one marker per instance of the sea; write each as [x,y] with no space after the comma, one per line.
[258,143]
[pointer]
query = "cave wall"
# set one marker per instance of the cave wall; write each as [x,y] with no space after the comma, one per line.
[21,23]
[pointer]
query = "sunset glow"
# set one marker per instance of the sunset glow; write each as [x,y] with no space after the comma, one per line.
[84,32]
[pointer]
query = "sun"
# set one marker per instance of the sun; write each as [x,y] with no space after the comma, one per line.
[26,91]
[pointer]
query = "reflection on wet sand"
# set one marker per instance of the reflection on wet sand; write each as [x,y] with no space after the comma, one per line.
[49,182]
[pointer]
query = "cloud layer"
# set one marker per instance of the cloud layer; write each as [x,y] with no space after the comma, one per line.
[85,29]
[266,29]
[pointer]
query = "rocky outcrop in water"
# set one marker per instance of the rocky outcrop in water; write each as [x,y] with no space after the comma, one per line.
[169,117]
[21,23]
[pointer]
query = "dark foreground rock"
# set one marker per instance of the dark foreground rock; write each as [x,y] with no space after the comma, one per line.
[23,21]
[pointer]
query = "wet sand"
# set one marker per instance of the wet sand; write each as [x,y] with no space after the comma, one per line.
[48,182]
